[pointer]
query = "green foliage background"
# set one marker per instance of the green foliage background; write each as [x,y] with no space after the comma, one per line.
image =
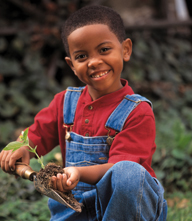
[32,71]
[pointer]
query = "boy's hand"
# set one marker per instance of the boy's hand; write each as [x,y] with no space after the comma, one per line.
[67,181]
[8,158]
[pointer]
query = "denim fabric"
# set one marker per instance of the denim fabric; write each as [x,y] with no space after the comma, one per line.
[85,151]
[126,192]
[72,99]
[120,114]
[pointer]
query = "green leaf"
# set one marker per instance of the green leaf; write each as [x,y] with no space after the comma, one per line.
[31,150]
[13,146]
[184,140]
[25,135]
[9,67]
[178,154]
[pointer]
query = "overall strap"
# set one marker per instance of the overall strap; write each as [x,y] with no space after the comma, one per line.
[70,103]
[118,117]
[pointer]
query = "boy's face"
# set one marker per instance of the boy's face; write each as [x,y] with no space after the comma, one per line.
[96,57]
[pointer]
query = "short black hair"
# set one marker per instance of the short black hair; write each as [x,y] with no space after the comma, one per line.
[94,14]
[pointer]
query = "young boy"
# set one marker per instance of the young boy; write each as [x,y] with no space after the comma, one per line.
[105,131]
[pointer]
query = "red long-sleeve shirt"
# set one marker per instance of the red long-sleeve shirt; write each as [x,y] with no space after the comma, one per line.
[136,142]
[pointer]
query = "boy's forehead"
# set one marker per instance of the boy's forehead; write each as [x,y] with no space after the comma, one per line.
[90,32]
[88,27]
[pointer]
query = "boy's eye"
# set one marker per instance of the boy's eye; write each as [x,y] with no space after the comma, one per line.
[105,49]
[80,56]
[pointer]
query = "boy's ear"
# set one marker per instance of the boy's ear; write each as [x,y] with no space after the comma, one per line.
[127,49]
[69,62]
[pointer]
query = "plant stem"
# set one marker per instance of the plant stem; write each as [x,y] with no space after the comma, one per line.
[34,151]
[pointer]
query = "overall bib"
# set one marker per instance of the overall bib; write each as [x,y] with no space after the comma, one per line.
[101,199]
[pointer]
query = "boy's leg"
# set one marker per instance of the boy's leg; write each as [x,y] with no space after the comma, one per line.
[128,192]
[60,212]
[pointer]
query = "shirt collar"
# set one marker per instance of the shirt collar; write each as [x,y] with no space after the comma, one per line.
[116,96]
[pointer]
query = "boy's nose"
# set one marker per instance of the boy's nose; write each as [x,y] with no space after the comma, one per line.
[94,62]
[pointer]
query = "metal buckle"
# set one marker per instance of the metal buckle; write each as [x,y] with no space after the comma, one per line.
[68,130]
[109,138]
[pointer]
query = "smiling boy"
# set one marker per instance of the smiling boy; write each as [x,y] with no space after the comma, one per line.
[97,58]
[105,131]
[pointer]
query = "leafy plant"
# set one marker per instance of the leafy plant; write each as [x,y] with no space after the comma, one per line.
[19,200]
[179,206]
[172,160]
[24,141]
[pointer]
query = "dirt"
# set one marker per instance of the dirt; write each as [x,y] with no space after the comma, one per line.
[44,176]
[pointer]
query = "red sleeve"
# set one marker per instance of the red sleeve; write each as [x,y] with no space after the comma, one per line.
[44,132]
[136,142]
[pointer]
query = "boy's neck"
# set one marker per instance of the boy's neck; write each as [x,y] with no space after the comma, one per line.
[97,94]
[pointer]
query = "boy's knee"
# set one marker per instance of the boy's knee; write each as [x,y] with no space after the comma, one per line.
[126,165]
[126,175]
[127,170]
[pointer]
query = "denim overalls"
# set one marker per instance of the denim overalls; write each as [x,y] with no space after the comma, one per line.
[104,201]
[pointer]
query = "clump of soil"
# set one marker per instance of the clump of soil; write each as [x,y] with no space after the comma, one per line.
[44,176]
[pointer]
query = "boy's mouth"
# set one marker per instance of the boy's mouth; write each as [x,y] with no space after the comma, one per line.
[100,75]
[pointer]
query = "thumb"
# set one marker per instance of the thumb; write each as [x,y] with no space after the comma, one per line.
[26,158]
[73,178]
[69,182]
[19,155]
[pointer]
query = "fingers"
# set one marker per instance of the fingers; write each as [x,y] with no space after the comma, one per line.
[22,154]
[54,182]
[73,175]
[59,182]
[72,179]
[4,160]
[26,158]
[12,160]
[62,183]
[9,167]
[9,158]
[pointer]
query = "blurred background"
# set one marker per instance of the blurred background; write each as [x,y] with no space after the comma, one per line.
[33,70]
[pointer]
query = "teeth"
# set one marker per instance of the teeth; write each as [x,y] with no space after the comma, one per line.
[99,75]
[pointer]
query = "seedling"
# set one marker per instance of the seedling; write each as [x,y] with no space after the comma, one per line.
[24,141]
